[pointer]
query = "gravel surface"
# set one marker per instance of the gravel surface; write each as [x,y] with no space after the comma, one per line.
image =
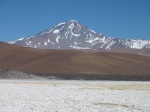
[74,96]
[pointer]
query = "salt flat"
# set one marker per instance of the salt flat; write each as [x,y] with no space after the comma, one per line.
[74,96]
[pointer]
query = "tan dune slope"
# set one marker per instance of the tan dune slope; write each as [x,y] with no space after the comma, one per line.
[45,61]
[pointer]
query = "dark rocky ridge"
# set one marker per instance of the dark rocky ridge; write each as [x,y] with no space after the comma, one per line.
[14,74]
[84,76]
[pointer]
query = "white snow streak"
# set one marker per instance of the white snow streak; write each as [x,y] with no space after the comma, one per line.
[93,31]
[56,31]
[76,35]
[57,39]
[45,43]
[60,24]
[71,26]
[12,42]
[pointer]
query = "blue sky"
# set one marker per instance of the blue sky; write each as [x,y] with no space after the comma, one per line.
[115,18]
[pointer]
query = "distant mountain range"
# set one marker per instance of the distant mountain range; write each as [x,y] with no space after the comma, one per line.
[74,35]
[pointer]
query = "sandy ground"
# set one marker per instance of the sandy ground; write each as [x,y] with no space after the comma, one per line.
[74,96]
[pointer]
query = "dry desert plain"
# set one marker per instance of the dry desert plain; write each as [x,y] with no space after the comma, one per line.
[74,96]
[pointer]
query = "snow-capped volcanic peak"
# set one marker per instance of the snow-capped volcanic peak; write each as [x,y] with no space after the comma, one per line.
[74,35]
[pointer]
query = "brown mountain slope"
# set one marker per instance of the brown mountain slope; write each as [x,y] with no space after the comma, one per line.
[144,51]
[45,61]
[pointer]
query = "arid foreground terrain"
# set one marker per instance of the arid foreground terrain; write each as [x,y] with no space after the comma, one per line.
[74,96]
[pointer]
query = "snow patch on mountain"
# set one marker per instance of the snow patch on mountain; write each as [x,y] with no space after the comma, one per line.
[93,31]
[56,31]
[76,35]
[57,39]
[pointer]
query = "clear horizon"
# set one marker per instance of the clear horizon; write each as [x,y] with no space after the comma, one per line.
[114,18]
